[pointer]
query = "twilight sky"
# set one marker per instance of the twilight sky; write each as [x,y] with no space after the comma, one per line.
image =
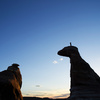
[32,32]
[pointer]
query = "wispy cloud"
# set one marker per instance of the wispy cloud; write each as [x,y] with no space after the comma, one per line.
[55,94]
[61,96]
[61,59]
[37,85]
[55,62]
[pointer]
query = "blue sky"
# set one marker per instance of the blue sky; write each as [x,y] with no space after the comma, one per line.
[31,33]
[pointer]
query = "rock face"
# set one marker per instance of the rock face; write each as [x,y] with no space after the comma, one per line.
[10,83]
[85,83]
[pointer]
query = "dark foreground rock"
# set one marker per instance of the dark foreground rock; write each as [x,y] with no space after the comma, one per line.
[10,83]
[85,83]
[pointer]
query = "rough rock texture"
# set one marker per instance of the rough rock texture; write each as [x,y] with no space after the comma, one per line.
[85,83]
[10,83]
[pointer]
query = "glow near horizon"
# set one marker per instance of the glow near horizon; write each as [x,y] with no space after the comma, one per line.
[54,89]
[33,31]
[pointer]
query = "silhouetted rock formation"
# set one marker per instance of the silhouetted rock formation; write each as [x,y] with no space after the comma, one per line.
[32,98]
[85,83]
[37,98]
[10,83]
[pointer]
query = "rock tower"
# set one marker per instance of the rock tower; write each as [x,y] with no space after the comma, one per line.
[85,83]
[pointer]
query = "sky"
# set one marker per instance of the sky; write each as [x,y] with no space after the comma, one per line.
[33,31]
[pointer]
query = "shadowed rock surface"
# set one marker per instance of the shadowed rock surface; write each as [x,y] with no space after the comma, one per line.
[85,83]
[10,83]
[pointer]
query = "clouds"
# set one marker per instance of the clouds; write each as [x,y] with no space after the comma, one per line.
[57,61]
[61,59]
[55,94]
[62,96]
[37,85]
